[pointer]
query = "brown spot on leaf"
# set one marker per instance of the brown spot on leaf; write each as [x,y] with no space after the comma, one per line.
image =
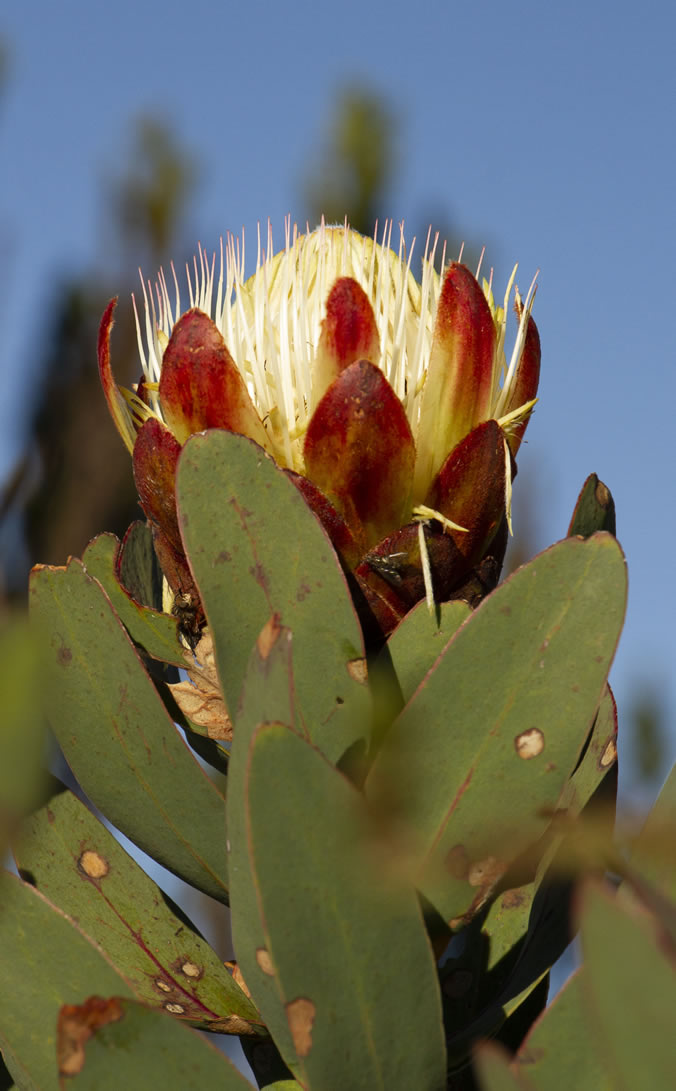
[513,899]
[602,495]
[233,1024]
[268,636]
[162,985]
[358,670]
[76,1024]
[93,864]
[64,656]
[191,970]
[237,977]
[485,873]
[609,754]
[264,961]
[529,743]
[300,1015]
[175,1009]
[457,862]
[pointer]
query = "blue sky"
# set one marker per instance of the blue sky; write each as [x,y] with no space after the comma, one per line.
[546,131]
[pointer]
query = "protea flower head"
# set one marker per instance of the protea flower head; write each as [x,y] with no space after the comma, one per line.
[390,402]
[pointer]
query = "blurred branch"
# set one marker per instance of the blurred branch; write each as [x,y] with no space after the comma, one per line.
[357,163]
[149,200]
[84,483]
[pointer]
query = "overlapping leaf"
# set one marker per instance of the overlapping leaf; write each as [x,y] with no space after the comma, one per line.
[268,696]
[22,735]
[480,754]
[628,955]
[45,962]
[332,919]
[73,860]
[154,631]
[560,1051]
[108,1043]
[255,550]
[117,736]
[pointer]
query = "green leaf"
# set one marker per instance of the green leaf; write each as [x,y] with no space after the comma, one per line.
[108,1044]
[75,862]
[155,632]
[268,696]
[45,962]
[345,943]
[419,639]
[652,855]
[256,549]
[408,655]
[116,735]
[630,986]
[594,510]
[138,568]
[492,1067]
[22,737]
[559,1051]
[511,917]
[479,756]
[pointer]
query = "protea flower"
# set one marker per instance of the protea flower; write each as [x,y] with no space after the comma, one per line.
[389,402]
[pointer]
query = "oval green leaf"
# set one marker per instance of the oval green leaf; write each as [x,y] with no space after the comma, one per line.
[45,962]
[255,549]
[117,736]
[111,1043]
[75,862]
[345,942]
[478,758]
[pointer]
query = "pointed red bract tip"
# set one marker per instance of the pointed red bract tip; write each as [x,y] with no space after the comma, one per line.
[470,489]
[349,333]
[526,382]
[156,454]
[116,403]
[359,451]
[201,386]
[458,388]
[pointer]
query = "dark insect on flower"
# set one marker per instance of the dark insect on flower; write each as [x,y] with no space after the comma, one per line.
[187,610]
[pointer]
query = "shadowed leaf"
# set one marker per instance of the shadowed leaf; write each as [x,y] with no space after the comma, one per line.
[627,955]
[492,1067]
[559,1051]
